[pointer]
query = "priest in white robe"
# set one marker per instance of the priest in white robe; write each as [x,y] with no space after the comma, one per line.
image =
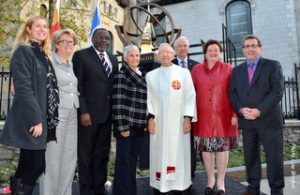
[171,108]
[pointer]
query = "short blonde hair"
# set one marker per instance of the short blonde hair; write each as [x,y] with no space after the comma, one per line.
[24,39]
[59,33]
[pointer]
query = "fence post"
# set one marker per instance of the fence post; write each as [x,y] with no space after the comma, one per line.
[224,43]
[8,94]
[1,89]
[297,90]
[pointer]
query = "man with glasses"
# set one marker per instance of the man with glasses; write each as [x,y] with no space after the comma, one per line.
[181,47]
[255,92]
[171,107]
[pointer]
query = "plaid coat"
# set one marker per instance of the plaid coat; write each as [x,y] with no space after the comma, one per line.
[129,100]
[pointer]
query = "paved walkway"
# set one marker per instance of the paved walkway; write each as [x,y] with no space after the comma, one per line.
[233,188]
[292,186]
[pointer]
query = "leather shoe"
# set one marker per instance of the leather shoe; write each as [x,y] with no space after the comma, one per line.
[208,191]
[247,192]
[221,192]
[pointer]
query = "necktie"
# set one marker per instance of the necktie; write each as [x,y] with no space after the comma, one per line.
[183,64]
[105,64]
[250,72]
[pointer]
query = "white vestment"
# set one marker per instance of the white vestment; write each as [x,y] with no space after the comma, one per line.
[171,96]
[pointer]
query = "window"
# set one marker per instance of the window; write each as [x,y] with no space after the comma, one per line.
[239,24]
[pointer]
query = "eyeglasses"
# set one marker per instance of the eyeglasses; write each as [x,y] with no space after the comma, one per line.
[66,42]
[250,46]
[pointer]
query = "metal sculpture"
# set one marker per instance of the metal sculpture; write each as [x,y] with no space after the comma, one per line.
[152,25]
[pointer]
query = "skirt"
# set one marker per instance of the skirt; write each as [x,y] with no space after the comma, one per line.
[216,144]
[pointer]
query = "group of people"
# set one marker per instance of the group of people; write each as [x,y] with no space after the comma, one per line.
[65,107]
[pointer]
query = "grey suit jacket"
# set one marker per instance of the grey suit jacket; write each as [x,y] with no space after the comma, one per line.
[264,93]
[29,73]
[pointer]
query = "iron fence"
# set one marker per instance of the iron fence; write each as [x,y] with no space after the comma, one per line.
[5,97]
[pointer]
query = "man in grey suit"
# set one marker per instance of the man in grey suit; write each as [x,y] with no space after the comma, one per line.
[94,68]
[255,92]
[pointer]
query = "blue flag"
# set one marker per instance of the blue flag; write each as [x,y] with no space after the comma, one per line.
[95,23]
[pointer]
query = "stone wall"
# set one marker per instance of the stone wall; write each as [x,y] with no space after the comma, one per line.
[291,133]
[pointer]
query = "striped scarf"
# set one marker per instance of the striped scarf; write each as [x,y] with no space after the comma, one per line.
[52,103]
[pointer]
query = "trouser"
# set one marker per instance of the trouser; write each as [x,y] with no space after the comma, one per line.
[93,156]
[128,150]
[61,156]
[193,155]
[31,166]
[272,141]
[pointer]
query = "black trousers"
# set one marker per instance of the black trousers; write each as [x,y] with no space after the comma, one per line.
[193,155]
[31,166]
[272,142]
[93,156]
[128,150]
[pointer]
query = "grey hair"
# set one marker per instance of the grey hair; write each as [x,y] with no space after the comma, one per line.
[166,44]
[181,38]
[129,48]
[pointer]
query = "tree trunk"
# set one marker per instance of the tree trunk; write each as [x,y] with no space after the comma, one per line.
[51,9]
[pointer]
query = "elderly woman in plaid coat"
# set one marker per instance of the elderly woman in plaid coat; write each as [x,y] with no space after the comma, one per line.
[130,119]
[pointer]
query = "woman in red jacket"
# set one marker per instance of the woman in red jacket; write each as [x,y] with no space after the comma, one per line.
[216,128]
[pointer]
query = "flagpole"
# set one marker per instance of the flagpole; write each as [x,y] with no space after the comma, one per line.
[55,25]
[95,23]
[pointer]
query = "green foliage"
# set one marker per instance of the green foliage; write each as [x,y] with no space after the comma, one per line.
[236,158]
[10,20]
[6,170]
[15,12]
[75,20]
[291,152]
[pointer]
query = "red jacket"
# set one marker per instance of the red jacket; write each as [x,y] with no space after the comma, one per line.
[213,108]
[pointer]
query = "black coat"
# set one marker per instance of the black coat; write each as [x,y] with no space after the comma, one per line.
[264,93]
[94,86]
[129,100]
[29,107]
[191,63]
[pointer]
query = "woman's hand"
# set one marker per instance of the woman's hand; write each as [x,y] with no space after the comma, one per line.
[151,126]
[36,130]
[125,133]
[234,121]
[187,125]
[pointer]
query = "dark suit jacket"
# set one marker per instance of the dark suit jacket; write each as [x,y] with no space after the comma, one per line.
[29,72]
[191,63]
[94,86]
[264,93]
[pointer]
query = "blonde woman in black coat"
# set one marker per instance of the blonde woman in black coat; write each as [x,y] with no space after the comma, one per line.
[34,107]
[129,113]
